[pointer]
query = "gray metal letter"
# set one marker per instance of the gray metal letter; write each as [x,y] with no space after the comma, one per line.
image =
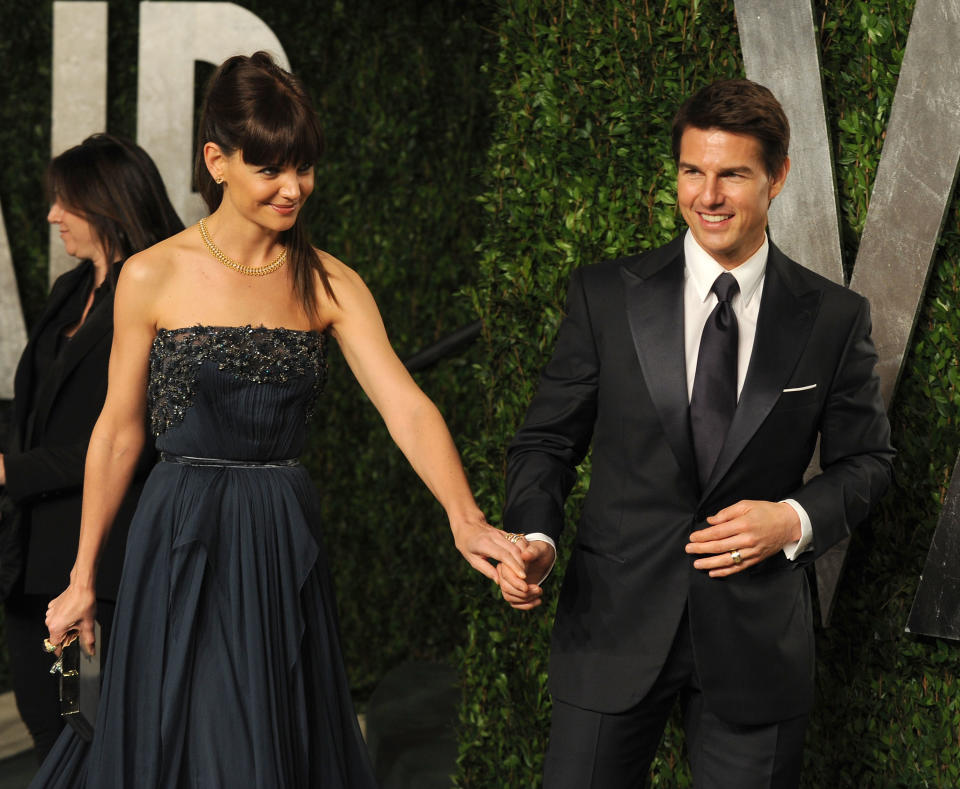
[13,331]
[915,179]
[936,608]
[780,50]
[173,35]
[914,182]
[79,90]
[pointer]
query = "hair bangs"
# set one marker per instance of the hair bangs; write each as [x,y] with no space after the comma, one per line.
[74,179]
[738,106]
[281,132]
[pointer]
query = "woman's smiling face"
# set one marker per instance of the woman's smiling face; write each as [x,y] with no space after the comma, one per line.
[270,195]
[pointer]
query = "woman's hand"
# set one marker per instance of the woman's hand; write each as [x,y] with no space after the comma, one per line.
[480,543]
[3,471]
[72,613]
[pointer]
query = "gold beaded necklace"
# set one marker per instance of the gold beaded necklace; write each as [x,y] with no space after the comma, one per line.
[250,271]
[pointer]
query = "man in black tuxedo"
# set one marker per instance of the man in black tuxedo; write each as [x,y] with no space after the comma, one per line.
[702,374]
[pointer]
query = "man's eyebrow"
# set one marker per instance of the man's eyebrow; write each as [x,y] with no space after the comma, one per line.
[743,169]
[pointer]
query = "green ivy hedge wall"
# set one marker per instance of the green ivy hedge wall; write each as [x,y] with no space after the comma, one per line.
[478,152]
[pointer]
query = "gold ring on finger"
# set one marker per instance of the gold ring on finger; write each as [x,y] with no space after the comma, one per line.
[737,558]
[49,646]
[514,537]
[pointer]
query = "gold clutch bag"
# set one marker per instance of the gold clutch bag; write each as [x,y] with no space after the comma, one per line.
[79,685]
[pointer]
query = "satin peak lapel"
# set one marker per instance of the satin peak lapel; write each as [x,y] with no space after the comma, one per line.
[787,314]
[654,296]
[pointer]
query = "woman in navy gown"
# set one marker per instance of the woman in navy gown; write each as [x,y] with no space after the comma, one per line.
[225,667]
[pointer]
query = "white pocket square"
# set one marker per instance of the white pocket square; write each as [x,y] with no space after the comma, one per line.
[800,388]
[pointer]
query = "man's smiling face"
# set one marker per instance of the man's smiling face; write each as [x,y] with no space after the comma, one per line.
[724,192]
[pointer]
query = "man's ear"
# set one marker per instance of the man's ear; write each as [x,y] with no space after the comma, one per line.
[776,183]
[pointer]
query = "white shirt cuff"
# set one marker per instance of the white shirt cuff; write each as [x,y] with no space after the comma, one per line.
[793,549]
[536,536]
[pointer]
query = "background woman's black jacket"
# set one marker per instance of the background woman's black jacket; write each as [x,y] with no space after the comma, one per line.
[45,454]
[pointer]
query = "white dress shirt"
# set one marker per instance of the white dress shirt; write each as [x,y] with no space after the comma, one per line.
[700,272]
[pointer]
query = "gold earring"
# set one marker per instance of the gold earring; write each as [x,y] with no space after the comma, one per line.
[219,180]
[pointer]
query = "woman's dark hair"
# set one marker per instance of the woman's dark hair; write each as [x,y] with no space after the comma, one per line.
[255,107]
[115,186]
[738,106]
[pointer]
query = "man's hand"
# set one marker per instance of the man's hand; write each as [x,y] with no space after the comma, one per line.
[538,557]
[756,529]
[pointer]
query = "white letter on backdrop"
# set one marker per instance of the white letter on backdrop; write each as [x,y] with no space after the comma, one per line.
[79,104]
[13,331]
[173,36]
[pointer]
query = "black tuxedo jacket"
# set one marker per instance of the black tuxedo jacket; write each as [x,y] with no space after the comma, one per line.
[617,380]
[45,454]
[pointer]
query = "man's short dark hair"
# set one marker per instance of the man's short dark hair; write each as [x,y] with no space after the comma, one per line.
[738,106]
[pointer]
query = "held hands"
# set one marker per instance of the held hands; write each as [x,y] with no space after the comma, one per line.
[71,615]
[480,543]
[750,530]
[537,558]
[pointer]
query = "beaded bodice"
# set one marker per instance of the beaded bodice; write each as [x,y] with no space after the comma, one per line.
[233,384]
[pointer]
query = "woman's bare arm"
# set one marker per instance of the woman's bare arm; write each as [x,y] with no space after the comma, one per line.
[413,420]
[115,445]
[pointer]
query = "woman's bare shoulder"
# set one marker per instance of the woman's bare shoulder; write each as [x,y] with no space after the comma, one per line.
[337,270]
[346,290]
[347,285]
[350,299]
[157,264]
[149,278]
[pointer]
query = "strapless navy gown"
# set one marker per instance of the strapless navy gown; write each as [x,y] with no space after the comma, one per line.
[225,666]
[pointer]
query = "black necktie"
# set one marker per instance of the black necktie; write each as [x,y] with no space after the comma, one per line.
[715,385]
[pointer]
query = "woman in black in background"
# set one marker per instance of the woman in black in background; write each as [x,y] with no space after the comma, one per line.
[109,202]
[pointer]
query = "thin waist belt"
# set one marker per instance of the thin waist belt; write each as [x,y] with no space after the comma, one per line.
[186,460]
